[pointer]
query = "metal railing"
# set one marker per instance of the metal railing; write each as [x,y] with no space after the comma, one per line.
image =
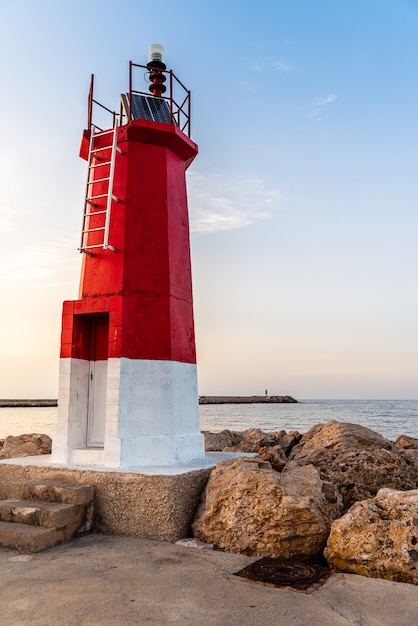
[178,99]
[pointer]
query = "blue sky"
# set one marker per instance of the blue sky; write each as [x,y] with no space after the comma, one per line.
[302,200]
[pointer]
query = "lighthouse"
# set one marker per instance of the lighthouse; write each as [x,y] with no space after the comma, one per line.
[128,382]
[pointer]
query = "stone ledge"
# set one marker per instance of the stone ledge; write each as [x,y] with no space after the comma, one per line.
[154,505]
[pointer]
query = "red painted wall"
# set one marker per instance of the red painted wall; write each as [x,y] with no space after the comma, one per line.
[145,286]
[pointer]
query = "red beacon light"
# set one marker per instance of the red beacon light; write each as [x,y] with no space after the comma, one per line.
[156,68]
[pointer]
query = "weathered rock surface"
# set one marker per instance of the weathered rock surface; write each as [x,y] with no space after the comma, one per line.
[356,460]
[336,437]
[250,440]
[216,442]
[25,445]
[274,455]
[359,474]
[409,443]
[248,507]
[272,447]
[378,537]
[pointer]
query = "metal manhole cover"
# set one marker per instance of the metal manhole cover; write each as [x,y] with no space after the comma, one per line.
[281,573]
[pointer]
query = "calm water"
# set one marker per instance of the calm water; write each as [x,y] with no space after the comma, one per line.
[390,418]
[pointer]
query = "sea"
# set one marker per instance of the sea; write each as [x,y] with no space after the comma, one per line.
[390,418]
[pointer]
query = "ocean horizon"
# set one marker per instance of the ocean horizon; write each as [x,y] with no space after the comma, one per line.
[390,418]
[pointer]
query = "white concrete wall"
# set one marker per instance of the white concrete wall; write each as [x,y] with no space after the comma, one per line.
[72,409]
[152,414]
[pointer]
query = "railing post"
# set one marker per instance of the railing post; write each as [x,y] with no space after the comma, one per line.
[90,103]
[130,91]
[171,97]
[189,113]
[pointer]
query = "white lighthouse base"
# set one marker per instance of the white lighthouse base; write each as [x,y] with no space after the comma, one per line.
[148,413]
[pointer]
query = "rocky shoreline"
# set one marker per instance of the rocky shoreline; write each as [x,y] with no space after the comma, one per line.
[339,491]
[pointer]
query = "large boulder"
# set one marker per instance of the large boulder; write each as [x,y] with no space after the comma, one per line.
[378,537]
[332,438]
[216,442]
[249,508]
[356,460]
[25,445]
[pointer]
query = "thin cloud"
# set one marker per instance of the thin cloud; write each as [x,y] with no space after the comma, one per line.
[216,204]
[316,108]
[327,100]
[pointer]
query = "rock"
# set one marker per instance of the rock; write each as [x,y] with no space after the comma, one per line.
[378,537]
[359,474]
[249,508]
[335,437]
[409,443]
[356,460]
[287,441]
[25,445]
[274,455]
[216,442]
[252,440]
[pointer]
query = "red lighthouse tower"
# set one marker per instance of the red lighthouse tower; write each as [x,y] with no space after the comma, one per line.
[128,383]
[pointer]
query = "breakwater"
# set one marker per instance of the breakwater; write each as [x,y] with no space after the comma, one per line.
[202,400]
[27,403]
[246,400]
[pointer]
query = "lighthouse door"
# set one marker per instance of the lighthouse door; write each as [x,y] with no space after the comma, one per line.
[96,412]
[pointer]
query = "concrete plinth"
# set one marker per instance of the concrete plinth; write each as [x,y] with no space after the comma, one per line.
[153,502]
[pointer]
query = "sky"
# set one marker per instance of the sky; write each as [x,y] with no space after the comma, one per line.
[302,200]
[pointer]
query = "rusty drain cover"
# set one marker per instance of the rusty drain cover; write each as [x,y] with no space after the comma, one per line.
[279,573]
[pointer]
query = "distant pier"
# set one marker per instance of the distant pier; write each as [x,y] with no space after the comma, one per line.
[247,400]
[27,403]
[202,400]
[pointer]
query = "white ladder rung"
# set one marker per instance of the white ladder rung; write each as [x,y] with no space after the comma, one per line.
[102,164]
[100,149]
[86,214]
[104,132]
[98,180]
[103,195]
[93,230]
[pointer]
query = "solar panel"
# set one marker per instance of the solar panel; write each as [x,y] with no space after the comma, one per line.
[159,109]
[150,108]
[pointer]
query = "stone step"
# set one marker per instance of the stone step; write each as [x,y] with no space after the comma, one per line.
[47,514]
[51,491]
[27,538]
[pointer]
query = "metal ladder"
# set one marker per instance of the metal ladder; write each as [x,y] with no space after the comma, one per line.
[93,211]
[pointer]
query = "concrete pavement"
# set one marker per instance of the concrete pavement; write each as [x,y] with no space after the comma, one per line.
[101,580]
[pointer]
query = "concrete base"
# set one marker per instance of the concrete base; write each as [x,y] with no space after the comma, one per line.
[153,502]
[145,412]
